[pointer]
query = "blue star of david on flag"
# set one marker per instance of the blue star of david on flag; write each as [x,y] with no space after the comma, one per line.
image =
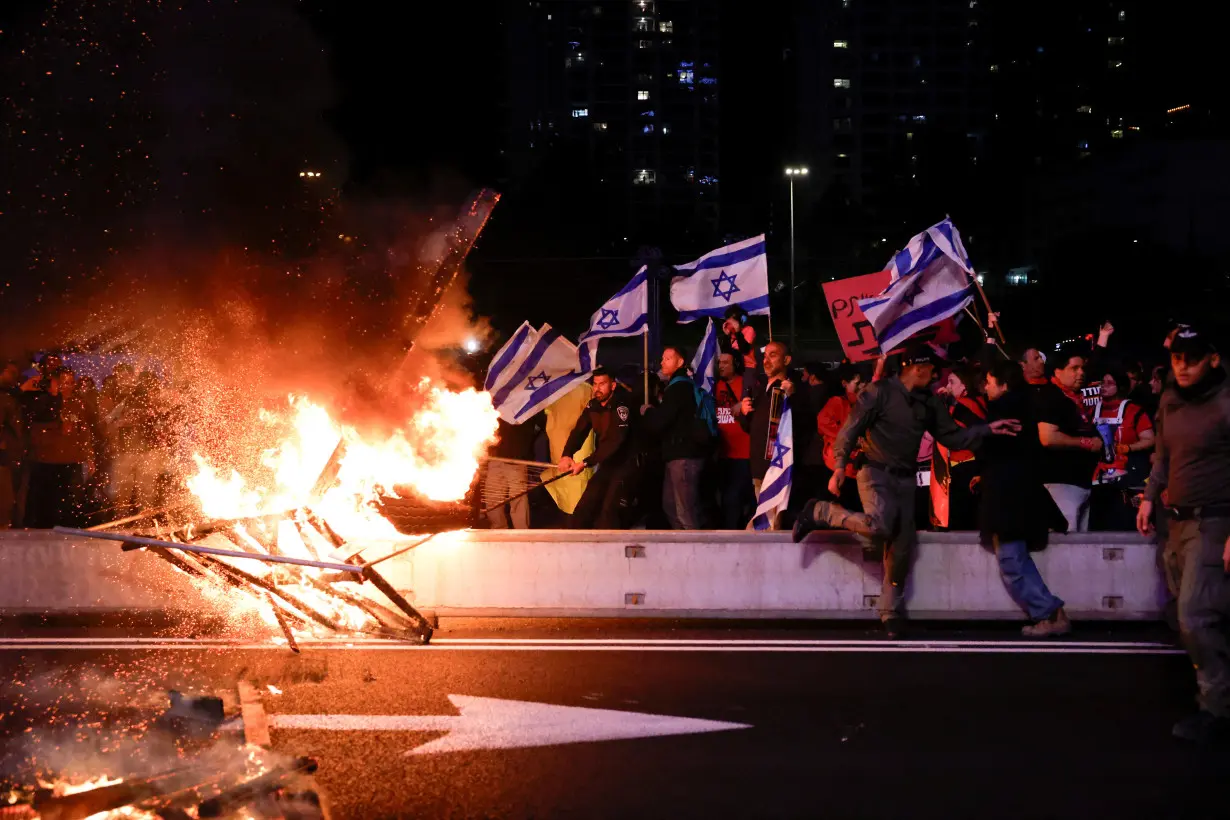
[608,319]
[725,279]
[538,381]
[779,452]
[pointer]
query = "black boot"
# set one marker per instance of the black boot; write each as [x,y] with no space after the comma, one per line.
[807,521]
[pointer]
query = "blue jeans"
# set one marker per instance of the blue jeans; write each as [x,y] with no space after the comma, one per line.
[681,493]
[1024,582]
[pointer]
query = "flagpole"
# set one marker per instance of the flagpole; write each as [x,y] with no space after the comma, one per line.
[987,302]
[645,336]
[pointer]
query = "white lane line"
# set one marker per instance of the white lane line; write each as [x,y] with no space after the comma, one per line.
[479,643]
[774,642]
[1055,649]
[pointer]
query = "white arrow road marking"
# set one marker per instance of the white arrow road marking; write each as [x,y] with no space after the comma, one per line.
[492,723]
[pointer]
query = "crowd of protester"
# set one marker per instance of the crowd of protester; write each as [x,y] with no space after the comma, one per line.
[660,469]
[73,453]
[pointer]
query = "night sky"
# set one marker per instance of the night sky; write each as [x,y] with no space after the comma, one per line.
[142,137]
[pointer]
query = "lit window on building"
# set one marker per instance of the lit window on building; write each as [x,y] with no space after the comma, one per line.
[644,5]
[642,94]
[841,82]
[973,4]
[648,113]
[841,44]
[685,76]
[1018,279]
[644,43]
[1122,16]
[644,24]
[666,27]
[845,4]
[666,129]
[580,112]
[600,126]
[708,180]
[1114,64]
[645,176]
[647,129]
[708,80]
[1116,134]
[994,68]
[909,135]
[1114,41]
[920,118]
[1085,109]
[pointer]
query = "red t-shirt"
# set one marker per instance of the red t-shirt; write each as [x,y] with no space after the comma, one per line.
[828,423]
[1134,423]
[736,442]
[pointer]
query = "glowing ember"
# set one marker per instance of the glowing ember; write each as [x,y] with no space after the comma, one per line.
[436,454]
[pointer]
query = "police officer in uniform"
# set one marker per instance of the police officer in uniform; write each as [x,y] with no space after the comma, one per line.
[887,424]
[1192,466]
[609,415]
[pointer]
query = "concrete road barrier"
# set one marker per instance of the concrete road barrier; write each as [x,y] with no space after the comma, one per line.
[637,573]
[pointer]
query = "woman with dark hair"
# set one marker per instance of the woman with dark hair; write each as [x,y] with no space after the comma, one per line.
[1013,511]
[959,470]
[1127,441]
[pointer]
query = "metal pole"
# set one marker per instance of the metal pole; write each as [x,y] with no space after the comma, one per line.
[646,337]
[792,338]
[170,545]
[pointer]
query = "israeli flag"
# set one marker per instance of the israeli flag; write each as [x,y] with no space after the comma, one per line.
[931,280]
[704,363]
[624,314]
[737,274]
[775,488]
[509,357]
[549,366]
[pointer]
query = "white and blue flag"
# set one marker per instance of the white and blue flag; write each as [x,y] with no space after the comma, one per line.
[543,368]
[509,357]
[775,488]
[931,280]
[624,314]
[704,363]
[736,275]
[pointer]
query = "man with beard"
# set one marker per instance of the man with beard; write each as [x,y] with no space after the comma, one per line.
[1192,467]
[609,415]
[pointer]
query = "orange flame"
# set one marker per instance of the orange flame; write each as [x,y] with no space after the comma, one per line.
[436,454]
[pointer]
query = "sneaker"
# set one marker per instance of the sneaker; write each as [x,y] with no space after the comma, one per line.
[1057,624]
[808,521]
[1202,727]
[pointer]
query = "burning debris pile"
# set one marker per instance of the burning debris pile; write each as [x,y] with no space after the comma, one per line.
[287,511]
[212,776]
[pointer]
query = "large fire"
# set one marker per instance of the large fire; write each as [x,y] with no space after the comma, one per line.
[435,453]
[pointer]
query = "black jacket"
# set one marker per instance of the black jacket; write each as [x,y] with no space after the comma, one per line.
[757,425]
[611,424]
[675,422]
[1014,505]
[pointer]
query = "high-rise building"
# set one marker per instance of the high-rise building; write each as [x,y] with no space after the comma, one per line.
[895,102]
[613,110]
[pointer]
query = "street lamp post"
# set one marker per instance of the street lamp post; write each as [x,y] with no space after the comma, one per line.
[791,173]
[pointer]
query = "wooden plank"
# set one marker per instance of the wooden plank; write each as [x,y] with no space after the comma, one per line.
[255,725]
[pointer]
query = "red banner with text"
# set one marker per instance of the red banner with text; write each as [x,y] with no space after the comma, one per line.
[853,329]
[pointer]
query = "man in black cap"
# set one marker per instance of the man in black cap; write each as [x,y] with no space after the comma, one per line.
[1192,466]
[887,424]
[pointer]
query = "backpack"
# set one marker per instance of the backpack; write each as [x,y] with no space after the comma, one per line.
[706,411]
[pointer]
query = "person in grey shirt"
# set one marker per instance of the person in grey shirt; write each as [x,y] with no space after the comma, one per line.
[1192,467]
[888,423]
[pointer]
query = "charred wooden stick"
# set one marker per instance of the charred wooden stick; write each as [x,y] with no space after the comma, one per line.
[294,602]
[421,626]
[132,542]
[405,549]
[107,798]
[255,788]
[290,636]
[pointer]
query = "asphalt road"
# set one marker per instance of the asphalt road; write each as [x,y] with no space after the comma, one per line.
[782,721]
